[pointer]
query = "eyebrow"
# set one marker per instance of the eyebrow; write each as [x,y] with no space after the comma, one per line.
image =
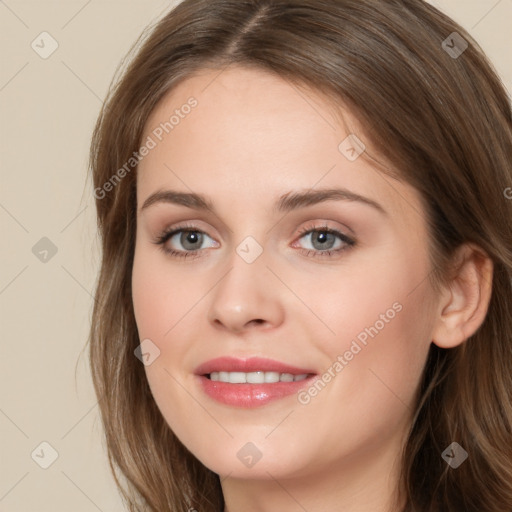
[286,203]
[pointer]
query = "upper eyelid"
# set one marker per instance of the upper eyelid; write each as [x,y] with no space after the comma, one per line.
[167,234]
[302,231]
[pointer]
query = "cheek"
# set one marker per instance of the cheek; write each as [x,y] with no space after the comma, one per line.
[160,305]
[381,317]
[163,302]
[377,362]
[158,297]
[377,314]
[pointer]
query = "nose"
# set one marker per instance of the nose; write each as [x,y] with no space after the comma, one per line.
[248,296]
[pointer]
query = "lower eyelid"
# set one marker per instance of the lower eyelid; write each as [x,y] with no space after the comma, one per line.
[213,242]
[348,242]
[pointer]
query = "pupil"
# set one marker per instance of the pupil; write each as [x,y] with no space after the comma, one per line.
[190,238]
[323,237]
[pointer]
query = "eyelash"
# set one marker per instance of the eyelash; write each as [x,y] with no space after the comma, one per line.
[166,235]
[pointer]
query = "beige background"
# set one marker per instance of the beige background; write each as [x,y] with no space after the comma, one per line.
[47,111]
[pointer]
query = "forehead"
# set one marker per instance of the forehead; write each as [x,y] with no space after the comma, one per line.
[254,134]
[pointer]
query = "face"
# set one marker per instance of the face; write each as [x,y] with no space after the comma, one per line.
[326,293]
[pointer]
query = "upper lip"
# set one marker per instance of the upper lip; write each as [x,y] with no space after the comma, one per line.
[251,364]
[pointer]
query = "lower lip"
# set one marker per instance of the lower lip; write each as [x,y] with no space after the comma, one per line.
[250,395]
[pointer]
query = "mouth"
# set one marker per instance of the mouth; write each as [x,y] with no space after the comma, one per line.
[257,377]
[252,382]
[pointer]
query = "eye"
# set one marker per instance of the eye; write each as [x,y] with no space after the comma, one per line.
[324,241]
[191,240]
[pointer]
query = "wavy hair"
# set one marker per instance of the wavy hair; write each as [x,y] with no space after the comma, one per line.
[441,117]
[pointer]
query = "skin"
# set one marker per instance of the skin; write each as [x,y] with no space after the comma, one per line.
[252,138]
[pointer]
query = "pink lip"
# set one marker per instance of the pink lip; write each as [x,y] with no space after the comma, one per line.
[252,364]
[249,395]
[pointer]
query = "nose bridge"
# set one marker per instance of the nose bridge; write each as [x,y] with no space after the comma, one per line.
[247,273]
[244,293]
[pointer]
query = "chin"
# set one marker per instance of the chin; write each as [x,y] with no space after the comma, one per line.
[252,460]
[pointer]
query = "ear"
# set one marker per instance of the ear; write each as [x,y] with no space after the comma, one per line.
[464,301]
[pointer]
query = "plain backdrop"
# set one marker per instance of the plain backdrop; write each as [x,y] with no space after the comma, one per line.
[50,251]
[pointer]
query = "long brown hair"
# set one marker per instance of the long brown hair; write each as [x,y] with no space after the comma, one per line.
[431,106]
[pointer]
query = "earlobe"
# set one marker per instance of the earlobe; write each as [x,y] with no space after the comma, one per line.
[464,301]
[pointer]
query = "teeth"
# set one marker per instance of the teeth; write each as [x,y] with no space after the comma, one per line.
[255,377]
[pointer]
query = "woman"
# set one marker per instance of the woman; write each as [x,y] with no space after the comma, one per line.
[305,294]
